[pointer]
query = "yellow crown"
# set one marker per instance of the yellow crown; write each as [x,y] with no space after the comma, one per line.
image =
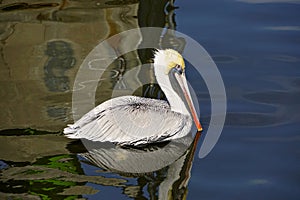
[173,58]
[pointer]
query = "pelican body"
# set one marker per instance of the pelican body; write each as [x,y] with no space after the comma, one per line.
[132,120]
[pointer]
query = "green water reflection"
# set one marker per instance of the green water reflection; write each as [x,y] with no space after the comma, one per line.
[57,173]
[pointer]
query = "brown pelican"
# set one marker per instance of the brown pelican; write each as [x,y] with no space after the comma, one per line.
[132,120]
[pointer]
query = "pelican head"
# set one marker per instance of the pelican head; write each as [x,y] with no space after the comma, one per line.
[169,70]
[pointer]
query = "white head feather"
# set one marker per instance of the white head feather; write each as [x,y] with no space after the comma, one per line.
[164,61]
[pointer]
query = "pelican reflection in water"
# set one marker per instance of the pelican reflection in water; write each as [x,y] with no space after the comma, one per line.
[162,171]
[125,120]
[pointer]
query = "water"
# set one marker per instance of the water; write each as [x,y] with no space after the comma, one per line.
[255,45]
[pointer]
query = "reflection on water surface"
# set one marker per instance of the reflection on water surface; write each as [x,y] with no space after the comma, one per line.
[255,45]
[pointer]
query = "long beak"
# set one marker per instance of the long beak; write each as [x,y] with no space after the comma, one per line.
[183,84]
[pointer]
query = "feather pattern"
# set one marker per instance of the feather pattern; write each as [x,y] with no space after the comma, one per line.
[131,120]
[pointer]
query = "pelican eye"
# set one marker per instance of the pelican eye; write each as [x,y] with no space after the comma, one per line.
[178,69]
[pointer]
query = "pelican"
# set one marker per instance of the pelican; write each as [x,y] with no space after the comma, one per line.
[132,120]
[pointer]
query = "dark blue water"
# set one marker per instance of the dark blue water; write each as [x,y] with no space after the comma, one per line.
[256,47]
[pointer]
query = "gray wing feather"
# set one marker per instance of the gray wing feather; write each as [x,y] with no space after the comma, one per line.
[130,120]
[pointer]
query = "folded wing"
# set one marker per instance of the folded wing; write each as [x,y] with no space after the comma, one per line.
[130,120]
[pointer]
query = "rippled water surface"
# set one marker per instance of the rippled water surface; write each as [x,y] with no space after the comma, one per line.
[255,44]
